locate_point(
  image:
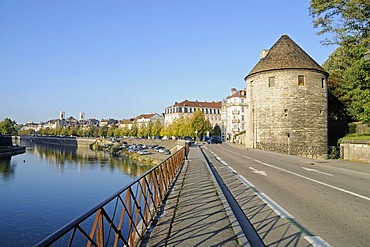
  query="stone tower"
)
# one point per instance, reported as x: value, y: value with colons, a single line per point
x: 287, y: 102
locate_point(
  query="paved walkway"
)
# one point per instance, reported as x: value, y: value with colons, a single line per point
x: 194, y: 214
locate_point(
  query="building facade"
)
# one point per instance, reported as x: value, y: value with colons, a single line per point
x: 233, y: 115
x: 145, y: 119
x: 287, y: 102
x: 211, y: 110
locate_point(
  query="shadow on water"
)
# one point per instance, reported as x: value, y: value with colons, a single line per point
x: 7, y: 169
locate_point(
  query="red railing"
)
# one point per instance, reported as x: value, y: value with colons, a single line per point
x: 123, y: 218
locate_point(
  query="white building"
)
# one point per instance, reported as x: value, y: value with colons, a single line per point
x: 212, y: 110
x: 234, y: 109
x: 144, y: 119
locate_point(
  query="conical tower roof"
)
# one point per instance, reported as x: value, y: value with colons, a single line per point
x: 286, y: 54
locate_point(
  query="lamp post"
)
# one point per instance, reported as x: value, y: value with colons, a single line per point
x: 196, y: 135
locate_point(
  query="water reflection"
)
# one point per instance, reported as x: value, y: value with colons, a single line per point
x: 66, y: 156
x: 7, y: 169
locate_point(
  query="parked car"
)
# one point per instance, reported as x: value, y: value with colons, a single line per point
x: 166, y: 151
x: 214, y: 139
x: 143, y: 152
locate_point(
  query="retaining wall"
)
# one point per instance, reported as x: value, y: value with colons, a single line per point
x: 355, y: 150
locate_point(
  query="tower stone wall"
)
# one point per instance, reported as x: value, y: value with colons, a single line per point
x: 287, y: 107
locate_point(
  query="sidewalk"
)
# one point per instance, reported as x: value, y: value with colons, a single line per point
x: 194, y: 214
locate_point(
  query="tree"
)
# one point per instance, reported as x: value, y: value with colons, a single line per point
x: 157, y: 127
x: 8, y: 127
x: 134, y: 129
x: 349, y: 80
x: 103, y: 131
x: 216, y: 130
x: 111, y: 131
x: 347, y: 21
x: 199, y: 124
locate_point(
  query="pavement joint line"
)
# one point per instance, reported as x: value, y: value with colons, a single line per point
x: 234, y: 222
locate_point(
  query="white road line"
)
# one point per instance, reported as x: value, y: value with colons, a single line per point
x: 316, y: 241
x: 307, y: 178
x: 314, y: 170
x: 263, y: 173
x: 274, y: 206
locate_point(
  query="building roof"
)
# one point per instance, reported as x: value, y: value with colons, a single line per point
x: 285, y: 54
x: 145, y: 116
x: 238, y: 94
x: 213, y: 104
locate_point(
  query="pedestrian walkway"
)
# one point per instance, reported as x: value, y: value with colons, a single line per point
x: 194, y: 213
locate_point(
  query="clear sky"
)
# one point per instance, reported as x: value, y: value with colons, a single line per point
x: 121, y: 58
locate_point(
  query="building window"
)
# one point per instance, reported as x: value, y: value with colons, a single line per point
x: 185, y: 110
x: 286, y: 112
x: 301, y: 80
x: 180, y: 109
x: 272, y: 81
x: 323, y: 82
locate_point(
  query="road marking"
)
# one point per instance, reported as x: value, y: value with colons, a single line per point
x: 314, y: 170
x: 263, y: 173
x: 316, y: 241
x: 274, y: 206
x: 304, y: 177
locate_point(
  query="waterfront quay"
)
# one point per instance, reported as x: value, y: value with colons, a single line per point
x: 226, y: 194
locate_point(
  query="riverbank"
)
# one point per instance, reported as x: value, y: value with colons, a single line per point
x: 11, y: 150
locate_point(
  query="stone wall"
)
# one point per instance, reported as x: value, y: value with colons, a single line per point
x: 355, y: 150
x: 287, y: 114
x: 6, y: 140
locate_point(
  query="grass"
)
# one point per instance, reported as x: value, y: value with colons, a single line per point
x: 363, y: 137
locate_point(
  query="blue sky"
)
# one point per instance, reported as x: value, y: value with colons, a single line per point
x: 119, y: 59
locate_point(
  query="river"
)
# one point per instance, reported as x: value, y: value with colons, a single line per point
x: 48, y: 186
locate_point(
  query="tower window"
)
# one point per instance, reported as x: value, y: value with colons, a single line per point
x: 272, y: 81
x: 301, y: 80
x: 322, y: 82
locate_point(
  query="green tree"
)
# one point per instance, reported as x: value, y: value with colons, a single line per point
x: 134, y: 129
x: 103, y: 131
x: 216, y: 131
x: 8, y: 127
x: 350, y: 79
x: 111, y: 131
x: 118, y: 132
x: 157, y: 128
x: 346, y: 21
x: 199, y: 124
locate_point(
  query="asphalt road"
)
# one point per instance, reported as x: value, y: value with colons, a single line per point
x: 326, y: 197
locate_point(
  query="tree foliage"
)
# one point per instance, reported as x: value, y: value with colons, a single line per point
x: 8, y: 127
x: 346, y: 20
x: 349, y: 23
x: 199, y: 124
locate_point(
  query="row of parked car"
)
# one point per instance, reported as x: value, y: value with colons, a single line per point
x: 145, y: 149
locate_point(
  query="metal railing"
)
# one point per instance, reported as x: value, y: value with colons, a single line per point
x: 123, y: 218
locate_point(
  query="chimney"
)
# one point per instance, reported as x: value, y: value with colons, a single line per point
x: 233, y: 90
x: 263, y: 53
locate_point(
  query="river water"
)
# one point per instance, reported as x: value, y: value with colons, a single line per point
x: 48, y: 186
